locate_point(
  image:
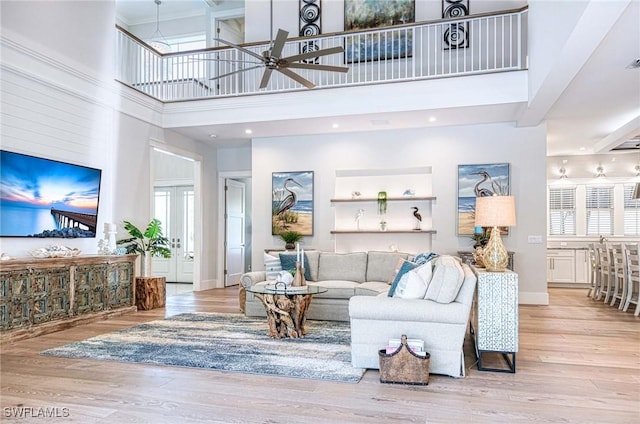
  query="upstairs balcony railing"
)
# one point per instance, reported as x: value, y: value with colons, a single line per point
x: 455, y: 47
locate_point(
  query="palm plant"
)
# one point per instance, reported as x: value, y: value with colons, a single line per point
x: 152, y: 241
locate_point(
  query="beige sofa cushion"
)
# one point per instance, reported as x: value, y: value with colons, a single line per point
x: 446, y: 280
x: 381, y: 266
x: 337, y: 289
x: 342, y: 266
x: 372, y: 288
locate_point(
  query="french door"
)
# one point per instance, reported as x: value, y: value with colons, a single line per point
x: 234, y: 231
x: 174, y: 207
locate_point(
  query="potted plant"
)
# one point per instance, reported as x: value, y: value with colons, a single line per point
x: 290, y: 239
x: 148, y: 244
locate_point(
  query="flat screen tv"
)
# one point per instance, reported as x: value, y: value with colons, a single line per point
x: 47, y: 198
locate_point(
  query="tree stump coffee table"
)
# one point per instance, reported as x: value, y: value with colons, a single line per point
x: 286, y: 308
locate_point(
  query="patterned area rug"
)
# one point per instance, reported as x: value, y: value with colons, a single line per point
x: 226, y: 342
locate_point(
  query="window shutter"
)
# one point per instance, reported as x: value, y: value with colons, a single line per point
x: 562, y: 211
x: 599, y: 210
x: 631, y: 212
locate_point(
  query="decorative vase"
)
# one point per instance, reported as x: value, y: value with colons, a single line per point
x: 298, y: 279
x: 289, y: 246
x: 145, y: 265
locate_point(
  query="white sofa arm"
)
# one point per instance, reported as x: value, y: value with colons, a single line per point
x: 382, y: 308
x: 251, y: 278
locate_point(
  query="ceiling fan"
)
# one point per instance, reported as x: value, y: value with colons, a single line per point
x: 271, y: 60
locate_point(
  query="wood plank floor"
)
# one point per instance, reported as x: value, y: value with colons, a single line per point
x: 579, y: 362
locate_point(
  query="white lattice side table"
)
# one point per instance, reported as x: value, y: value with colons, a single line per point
x: 495, y: 317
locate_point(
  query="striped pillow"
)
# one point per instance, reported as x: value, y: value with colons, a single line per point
x: 272, y: 266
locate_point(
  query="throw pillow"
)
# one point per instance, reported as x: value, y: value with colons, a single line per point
x: 401, y: 268
x: 446, y: 281
x: 423, y: 258
x: 411, y: 286
x: 288, y: 261
x: 272, y: 266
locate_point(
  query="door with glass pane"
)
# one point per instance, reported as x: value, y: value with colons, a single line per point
x: 174, y: 207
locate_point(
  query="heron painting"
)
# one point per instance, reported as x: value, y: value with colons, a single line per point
x: 292, y: 202
x: 478, y: 181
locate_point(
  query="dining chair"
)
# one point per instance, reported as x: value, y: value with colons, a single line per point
x: 604, y: 288
x: 594, y: 271
x: 632, y: 266
x: 618, y: 275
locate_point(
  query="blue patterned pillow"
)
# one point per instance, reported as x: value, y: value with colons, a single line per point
x: 288, y: 261
x: 423, y: 258
x: 402, y: 268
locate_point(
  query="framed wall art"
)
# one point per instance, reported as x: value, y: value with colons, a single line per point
x: 292, y: 202
x: 310, y: 24
x: 477, y: 181
x: 366, y: 14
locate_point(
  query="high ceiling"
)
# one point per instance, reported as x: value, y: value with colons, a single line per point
x: 590, y: 111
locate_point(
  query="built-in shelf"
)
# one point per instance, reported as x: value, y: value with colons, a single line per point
x: 383, y: 232
x: 391, y: 199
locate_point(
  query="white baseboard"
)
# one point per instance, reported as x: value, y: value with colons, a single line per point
x: 533, y: 298
x: 206, y: 285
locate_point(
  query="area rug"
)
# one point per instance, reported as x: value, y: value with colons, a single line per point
x: 228, y: 342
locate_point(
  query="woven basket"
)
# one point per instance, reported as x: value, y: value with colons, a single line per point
x: 403, y: 366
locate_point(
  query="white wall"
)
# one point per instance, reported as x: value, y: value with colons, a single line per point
x: 443, y: 149
x: 60, y: 101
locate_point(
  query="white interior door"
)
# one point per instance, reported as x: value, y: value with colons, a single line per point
x: 174, y: 207
x: 234, y: 231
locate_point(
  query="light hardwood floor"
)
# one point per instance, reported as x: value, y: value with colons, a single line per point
x: 579, y: 362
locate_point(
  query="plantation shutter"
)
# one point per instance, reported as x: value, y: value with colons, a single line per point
x: 599, y: 210
x: 631, y: 212
x: 562, y: 211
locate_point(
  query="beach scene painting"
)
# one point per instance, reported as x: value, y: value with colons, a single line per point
x: 478, y: 181
x: 292, y: 202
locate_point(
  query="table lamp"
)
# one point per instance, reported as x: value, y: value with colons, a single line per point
x: 495, y: 211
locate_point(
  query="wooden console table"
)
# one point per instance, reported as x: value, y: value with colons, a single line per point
x: 39, y: 296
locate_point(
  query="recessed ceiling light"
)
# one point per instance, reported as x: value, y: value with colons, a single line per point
x: 432, y: 119
x: 335, y: 126
x: 213, y: 135
x: 582, y: 149
x: 248, y: 131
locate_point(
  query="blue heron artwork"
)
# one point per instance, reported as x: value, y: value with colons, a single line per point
x: 292, y: 202
x: 478, y: 181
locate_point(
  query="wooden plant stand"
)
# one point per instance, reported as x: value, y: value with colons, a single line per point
x: 150, y: 293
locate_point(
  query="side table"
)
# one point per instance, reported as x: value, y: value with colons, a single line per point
x: 151, y: 293
x: 494, y: 323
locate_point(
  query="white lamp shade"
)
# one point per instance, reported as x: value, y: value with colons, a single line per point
x: 495, y: 211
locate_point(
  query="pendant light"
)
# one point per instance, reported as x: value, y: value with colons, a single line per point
x: 158, y: 42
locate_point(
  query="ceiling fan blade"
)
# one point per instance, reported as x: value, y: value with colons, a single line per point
x: 242, y: 49
x: 296, y: 77
x: 316, y: 53
x: 236, y: 72
x: 278, y: 44
x: 265, y: 77
x: 317, y: 67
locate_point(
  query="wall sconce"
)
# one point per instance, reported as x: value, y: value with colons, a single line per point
x: 600, y: 172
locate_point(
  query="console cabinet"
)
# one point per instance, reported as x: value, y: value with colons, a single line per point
x: 494, y: 320
x: 37, y: 293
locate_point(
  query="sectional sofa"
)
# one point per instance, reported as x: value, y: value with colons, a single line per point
x: 359, y: 285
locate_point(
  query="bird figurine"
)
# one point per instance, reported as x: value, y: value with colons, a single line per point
x: 287, y: 202
x: 418, y: 217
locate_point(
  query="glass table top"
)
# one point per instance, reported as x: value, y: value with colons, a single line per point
x: 273, y: 288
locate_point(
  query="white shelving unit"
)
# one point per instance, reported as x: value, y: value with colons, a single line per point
x: 400, y: 233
